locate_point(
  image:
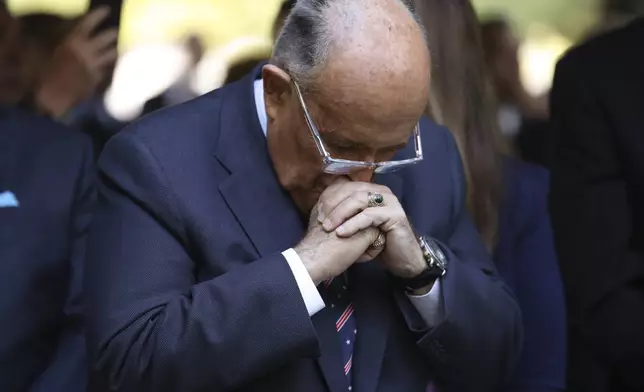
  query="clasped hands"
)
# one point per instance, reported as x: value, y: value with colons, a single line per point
x: 343, y: 227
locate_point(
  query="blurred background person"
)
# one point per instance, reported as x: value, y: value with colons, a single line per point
x: 597, y: 206
x: 51, y: 65
x: 615, y: 14
x: 501, y: 50
x: 42, y: 34
x: 507, y: 198
x: 69, y: 59
x: 522, y: 117
x: 46, y: 194
x: 182, y: 89
x: 13, y: 75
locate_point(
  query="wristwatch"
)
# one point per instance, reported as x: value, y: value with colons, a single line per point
x: 436, y: 266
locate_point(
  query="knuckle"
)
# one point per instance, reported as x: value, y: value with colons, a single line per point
x: 369, y: 213
x: 398, y: 212
x: 357, y: 199
x: 382, y: 189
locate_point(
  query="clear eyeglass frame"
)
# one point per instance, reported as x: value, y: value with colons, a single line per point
x: 344, y: 166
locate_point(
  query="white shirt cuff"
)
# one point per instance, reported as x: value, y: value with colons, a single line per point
x: 310, y: 294
x: 430, y: 306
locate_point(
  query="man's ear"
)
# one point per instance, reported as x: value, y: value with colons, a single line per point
x: 277, y: 89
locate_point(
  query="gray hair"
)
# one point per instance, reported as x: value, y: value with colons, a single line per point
x: 311, y: 29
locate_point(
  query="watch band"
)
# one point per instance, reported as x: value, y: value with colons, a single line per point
x: 436, y: 266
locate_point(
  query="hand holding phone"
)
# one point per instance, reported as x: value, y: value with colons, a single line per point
x: 79, y: 65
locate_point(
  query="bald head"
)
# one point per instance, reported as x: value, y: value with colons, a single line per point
x: 368, y: 56
x: 381, y: 32
x: 378, y: 67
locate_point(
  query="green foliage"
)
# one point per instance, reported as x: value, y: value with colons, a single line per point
x: 570, y: 18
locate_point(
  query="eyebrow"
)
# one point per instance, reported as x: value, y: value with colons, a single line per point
x: 340, y: 141
x: 329, y: 136
x: 331, y: 139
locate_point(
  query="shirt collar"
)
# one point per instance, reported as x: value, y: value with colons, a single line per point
x: 260, y: 105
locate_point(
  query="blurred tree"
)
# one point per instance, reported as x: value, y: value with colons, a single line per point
x: 216, y: 21
x: 570, y: 18
x: 66, y: 8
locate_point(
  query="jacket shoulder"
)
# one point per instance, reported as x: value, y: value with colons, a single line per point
x: 42, y: 137
x: 178, y: 128
x: 598, y: 54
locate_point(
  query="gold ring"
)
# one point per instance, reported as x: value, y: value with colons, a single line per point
x: 379, y: 243
x: 376, y: 200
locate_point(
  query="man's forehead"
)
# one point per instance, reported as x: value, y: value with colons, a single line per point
x: 352, y: 128
x: 379, y: 97
x: 385, y: 82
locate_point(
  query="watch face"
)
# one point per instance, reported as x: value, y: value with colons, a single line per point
x: 437, y: 254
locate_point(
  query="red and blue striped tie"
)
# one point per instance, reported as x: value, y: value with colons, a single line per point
x: 337, y: 297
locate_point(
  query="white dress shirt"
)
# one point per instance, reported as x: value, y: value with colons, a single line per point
x: 429, y: 306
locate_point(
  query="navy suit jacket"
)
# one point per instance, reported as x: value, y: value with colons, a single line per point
x: 188, y: 290
x: 526, y: 259
x: 50, y: 171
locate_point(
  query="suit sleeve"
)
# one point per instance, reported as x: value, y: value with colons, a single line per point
x: 476, y: 344
x: 68, y: 370
x: 539, y: 291
x: 592, y: 215
x: 151, y: 325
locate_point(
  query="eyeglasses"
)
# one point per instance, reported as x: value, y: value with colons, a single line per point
x: 345, y: 166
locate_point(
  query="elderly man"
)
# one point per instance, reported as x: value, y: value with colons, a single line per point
x: 232, y: 246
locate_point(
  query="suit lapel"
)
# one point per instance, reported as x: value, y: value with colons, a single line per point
x: 265, y: 211
x: 252, y: 191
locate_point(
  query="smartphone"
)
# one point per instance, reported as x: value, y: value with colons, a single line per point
x: 114, y: 19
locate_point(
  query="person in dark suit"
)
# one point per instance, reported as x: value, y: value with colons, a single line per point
x: 523, y: 118
x: 46, y: 195
x: 235, y: 255
x: 526, y: 259
x: 597, y: 207
x: 507, y: 198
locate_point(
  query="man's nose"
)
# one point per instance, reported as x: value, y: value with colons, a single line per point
x: 363, y: 175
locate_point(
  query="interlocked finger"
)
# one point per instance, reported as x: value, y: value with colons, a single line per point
x: 349, y: 207
x: 370, y: 217
x: 337, y: 193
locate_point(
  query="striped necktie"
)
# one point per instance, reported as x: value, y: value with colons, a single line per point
x: 337, y: 298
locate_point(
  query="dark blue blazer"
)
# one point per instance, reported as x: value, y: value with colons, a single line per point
x: 526, y: 259
x: 49, y: 169
x: 187, y: 289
